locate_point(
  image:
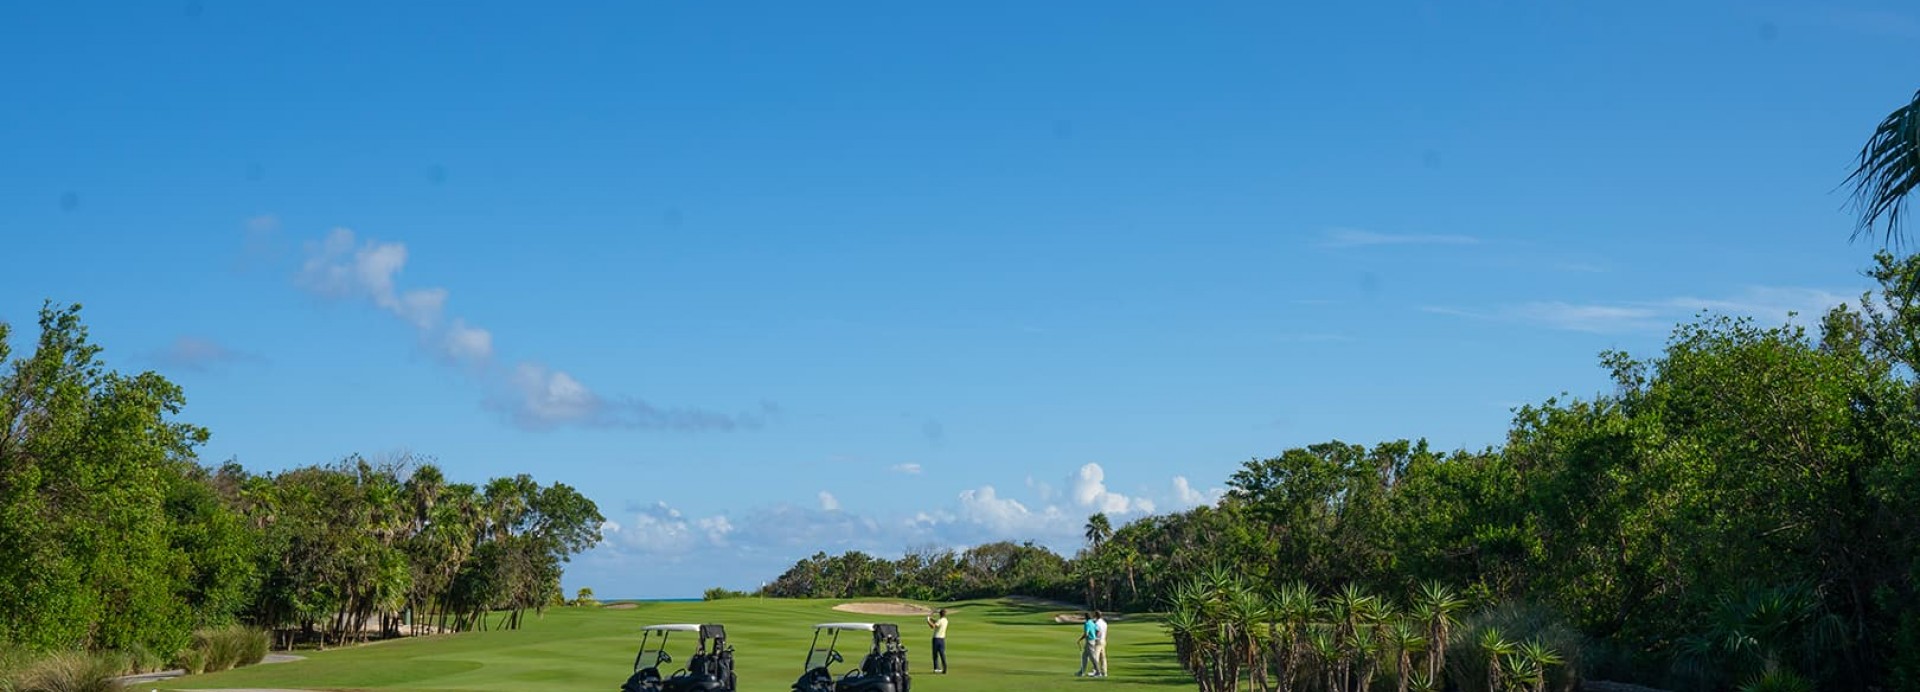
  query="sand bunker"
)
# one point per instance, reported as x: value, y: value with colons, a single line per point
x: 621, y: 606
x: 883, y: 609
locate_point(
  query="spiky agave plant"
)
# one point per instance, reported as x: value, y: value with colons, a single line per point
x: 1365, y: 647
x: 1405, y: 638
x: 1438, y: 605
x: 1293, y: 612
x: 1327, y: 652
x: 1539, y: 658
x: 1494, y: 647
x: 1247, y: 611
x: 1777, y: 679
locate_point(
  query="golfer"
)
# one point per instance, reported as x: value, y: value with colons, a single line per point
x: 939, y: 628
x: 1100, y: 645
x: 1089, y: 638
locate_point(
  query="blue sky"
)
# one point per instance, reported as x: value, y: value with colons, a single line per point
x: 770, y: 278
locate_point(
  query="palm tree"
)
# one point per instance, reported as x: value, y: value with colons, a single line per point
x: 1889, y: 169
x: 1099, y: 529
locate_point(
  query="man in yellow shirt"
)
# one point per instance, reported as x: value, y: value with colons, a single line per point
x: 939, y: 628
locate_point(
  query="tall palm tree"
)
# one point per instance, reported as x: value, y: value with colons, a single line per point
x: 1099, y: 529
x: 1889, y: 169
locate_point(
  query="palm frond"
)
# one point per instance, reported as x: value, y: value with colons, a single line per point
x: 1888, y: 170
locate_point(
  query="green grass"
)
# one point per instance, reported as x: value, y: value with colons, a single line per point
x: 994, y: 646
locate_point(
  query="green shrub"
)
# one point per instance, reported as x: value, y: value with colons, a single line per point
x: 253, y: 644
x: 720, y: 594
x: 1517, y: 623
x: 222, y: 647
x: 192, y: 659
x: 69, y: 672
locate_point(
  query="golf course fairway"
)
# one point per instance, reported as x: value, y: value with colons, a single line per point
x: 994, y: 646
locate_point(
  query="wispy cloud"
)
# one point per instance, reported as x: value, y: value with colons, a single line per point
x: 1353, y: 237
x: 910, y: 469
x: 198, y: 354
x: 1765, y: 303
x: 531, y: 394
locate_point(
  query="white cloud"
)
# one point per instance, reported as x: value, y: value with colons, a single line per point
x: 791, y: 530
x: 661, y: 530
x: 1764, y: 303
x: 342, y: 266
x: 1185, y: 496
x: 469, y: 344
x: 1088, y: 489
x: 1353, y: 237
x: 909, y: 469
x: 544, y: 397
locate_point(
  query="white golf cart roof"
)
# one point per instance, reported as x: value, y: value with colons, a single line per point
x: 670, y: 628
x: 862, y: 626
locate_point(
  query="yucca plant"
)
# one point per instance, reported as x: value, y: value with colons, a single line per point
x: 1436, y: 605
x: 1292, y: 610
x: 1327, y: 653
x: 1494, y: 647
x: 1777, y: 679
x: 1404, y: 638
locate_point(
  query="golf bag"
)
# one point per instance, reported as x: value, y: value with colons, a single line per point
x: 710, y: 669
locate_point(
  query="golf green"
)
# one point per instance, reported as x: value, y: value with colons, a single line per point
x: 993, y: 645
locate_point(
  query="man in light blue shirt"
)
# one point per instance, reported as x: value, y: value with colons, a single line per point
x: 1089, y: 638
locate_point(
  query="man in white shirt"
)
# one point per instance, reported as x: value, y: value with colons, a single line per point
x: 1100, y: 645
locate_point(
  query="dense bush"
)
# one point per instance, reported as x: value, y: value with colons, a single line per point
x: 721, y: 594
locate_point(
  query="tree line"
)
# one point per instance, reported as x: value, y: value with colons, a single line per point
x: 928, y: 573
x: 1741, y: 507
x: 113, y: 536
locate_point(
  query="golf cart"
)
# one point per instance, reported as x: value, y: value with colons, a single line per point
x: 883, y: 670
x: 709, y: 669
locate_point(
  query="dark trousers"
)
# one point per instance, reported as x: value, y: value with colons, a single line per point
x: 939, y: 653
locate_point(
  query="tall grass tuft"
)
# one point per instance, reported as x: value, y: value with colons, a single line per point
x: 68, y: 672
x: 253, y: 644
x: 192, y: 659
x: 222, y: 647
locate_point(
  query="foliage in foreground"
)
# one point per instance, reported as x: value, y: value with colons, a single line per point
x: 114, y: 538
x: 1737, y: 512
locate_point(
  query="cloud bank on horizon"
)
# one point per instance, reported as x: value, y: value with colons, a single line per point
x: 530, y: 394
x: 780, y: 534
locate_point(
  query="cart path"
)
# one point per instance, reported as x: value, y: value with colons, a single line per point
x: 134, y: 681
